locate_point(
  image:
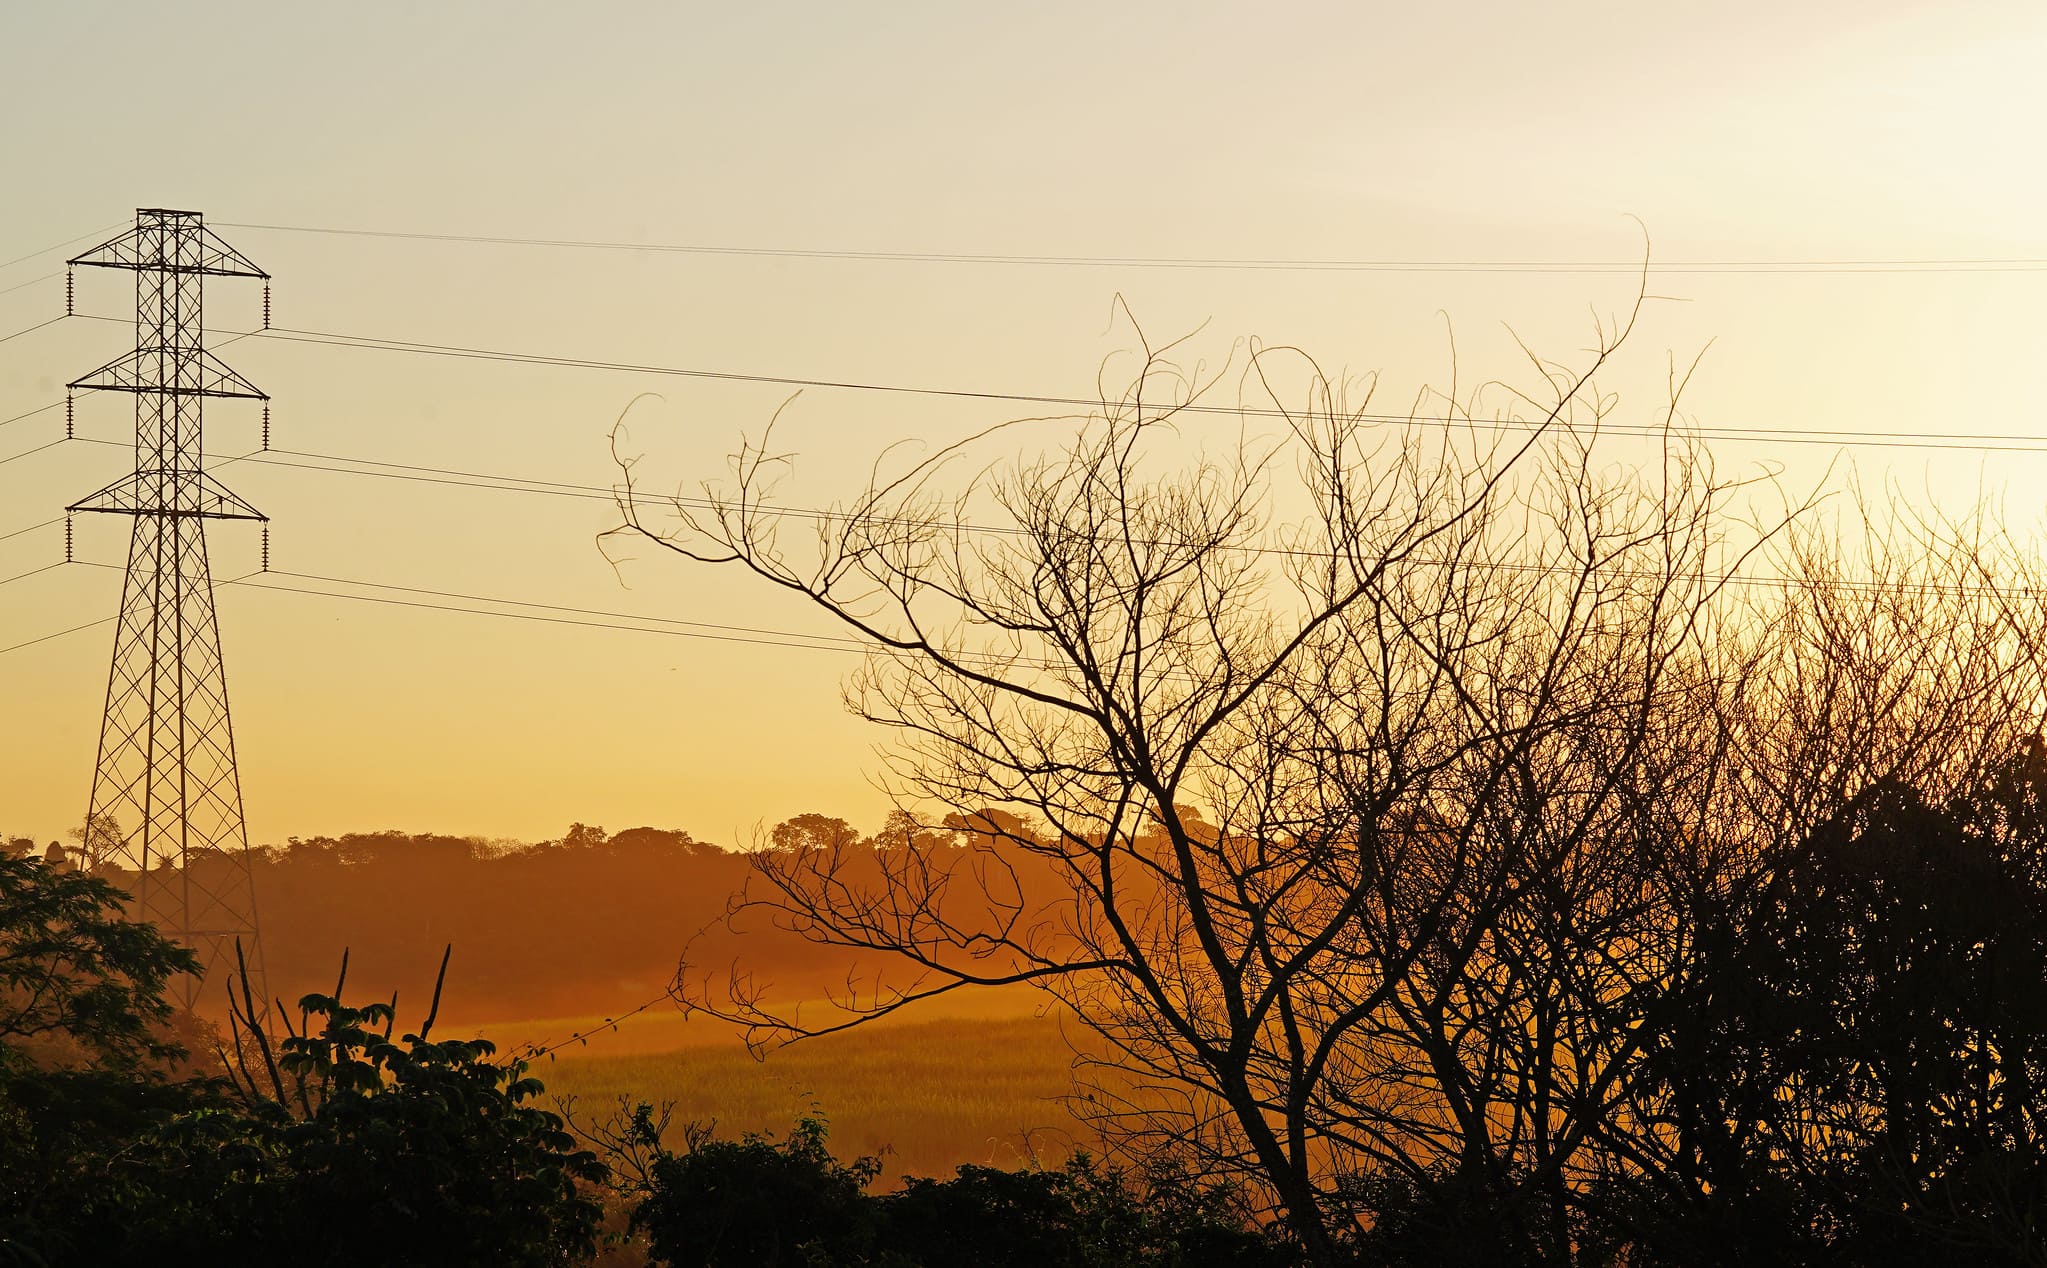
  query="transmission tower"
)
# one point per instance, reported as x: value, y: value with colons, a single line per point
x: 166, y: 804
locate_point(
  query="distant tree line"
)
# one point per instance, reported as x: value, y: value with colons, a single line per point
x: 587, y: 922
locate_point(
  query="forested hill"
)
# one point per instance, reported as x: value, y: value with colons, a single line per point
x: 585, y: 924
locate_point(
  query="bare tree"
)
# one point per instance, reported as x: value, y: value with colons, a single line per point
x: 1367, y: 789
x: 1411, y: 676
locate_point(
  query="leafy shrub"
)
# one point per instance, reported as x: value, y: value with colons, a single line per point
x: 723, y: 1204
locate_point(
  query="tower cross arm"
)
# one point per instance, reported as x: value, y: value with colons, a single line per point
x: 193, y: 372
x: 195, y: 493
x: 142, y: 248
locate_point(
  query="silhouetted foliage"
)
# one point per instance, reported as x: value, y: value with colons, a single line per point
x: 1452, y: 1218
x: 1079, y: 1215
x: 79, y: 982
x: 756, y: 1201
x: 420, y: 1151
x: 813, y: 832
x: 85, y: 1177
x: 1860, y: 1074
x: 426, y: 1146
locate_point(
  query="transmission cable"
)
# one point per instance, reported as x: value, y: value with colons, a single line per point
x: 476, y: 480
x: 849, y: 642
x: 599, y: 619
x: 16, y: 457
x: 105, y: 620
x: 40, y: 409
x: 1846, y: 437
x: 23, y: 576
x: 2018, y: 264
x: 29, y: 330
x: 448, y: 478
x: 83, y: 237
x: 31, y: 528
x: 18, y: 286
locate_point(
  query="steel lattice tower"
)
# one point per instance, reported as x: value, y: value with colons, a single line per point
x: 166, y: 800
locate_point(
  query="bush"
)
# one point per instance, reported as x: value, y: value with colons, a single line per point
x: 328, y: 1145
x: 723, y: 1204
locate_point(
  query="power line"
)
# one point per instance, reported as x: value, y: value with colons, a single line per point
x: 590, y: 618
x: 40, y: 409
x: 703, y: 630
x: 30, y: 452
x: 1942, y: 264
x: 89, y: 625
x: 447, y: 477
x: 479, y: 480
x: 459, y: 352
x: 506, y: 484
x: 23, y: 576
x: 30, y: 282
x: 412, y: 472
x: 533, y: 1052
x: 836, y: 642
x: 528, y: 616
x: 587, y: 618
x: 1856, y: 437
x: 441, y: 476
x: 713, y: 632
x: 31, y: 528
x: 799, y: 512
x: 631, y: 622
x: 455, y: 479
x: 1980, y: 442
x: 29, y: 330
x: 105, y: 620
x: 83, y: 237
x: 1825, y: 436
x: 468, y: 480
x: 44, y: 409
x: 95, y: 440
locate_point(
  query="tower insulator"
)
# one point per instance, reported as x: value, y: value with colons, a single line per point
x: 69, y: 289
x: 70, y: 415
x: 67, y: 539
x: 266, y: 434
x: 266, y: 309
x: 266, y: 546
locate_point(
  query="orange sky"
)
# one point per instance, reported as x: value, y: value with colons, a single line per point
x: 1480, y: 132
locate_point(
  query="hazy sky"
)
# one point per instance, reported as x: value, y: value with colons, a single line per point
x: 1413, y: 132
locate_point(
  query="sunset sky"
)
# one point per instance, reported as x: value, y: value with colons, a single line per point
x: 1735, y: 132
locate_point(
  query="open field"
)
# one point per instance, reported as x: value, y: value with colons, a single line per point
x: 664, y: 1027
x: 926, y: 1096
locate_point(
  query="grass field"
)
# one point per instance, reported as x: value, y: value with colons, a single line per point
x: 925, y: 1096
